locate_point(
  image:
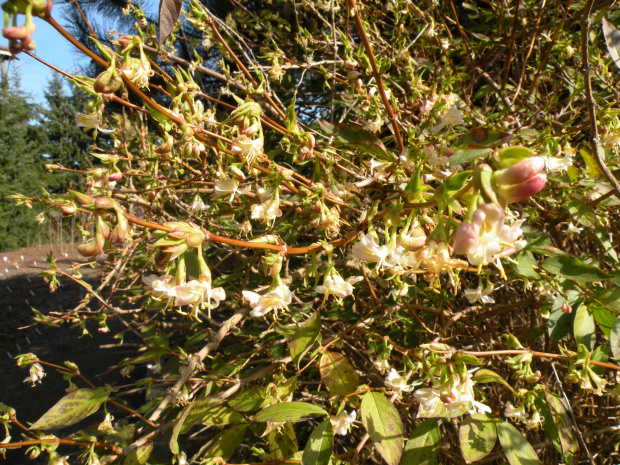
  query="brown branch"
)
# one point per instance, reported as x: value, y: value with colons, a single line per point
x: 597, y: 149
x: 376, y: 75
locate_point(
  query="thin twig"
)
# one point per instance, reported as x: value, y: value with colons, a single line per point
x: 597, y: 149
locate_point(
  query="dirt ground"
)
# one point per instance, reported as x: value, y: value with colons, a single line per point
x: 20, y: 290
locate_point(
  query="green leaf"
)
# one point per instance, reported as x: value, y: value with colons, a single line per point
x: 139, y: 455
x: 304, y: 337
x: 608, y: 297
x: 422, y: 448
x: 614, y: 338
x: 178, y: 424
x: 338, y: 374
x: 282, y: 442
x: 289, y: 411
x: 72, y: 408
x: 250, y: 400
x: 612, y: 39
x: 477, y: 436
x: 524, y: 266
x: 357, y: 137
x: 485, y: 376
x: 319, y: 448
x: 604, y: 318
x: 584, y: 327
x: 517, y: 449
x: 480, y: 138
x: 463, y: 156
x: 383, y: 425
x: 562, y: 422
x: 570, y: 267
x: 224, y: 444
x: 211, y: 412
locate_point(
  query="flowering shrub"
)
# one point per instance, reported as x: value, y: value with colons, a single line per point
x: 372, y: 153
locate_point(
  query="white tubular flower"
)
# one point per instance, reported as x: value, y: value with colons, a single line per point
x: 247, y: 149
x: 269, y: 209
x: 429, y: 400
x: 572, y: 229
x: 36, y: 374
x: 480, y: 295
x: 333, y: 284
x: 276, y: 299
x: 382, y: 364
x: 342, y: 422
x: 160, y: 286
x: 558, y: 164
x: 453, y: 116
x: 92, y: 121
x: 397, y: 383
x: 198, y: 205
x: 487, y: 238
x: 369, y: 251
x: 225, y: 187
x: 463, y: 391
x: 197, y: 292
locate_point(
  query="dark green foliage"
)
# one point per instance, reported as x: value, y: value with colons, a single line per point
x: 30, y: 137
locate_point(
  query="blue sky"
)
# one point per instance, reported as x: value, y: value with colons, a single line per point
x: 53, y: 49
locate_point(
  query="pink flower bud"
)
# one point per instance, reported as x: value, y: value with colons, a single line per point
x: 115, y: 176
x: 518, y: 192
x: 519, y: 172
x: 15, y: 32
x: 566, y: 308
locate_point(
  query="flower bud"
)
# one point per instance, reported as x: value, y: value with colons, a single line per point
x: 83, y: 199
x: 88, y: 250
x: 566, y: 308
x: 518, y: 192
x: 519, y: 172
x: 69, y: 209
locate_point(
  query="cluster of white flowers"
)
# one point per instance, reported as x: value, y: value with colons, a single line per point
x: 194, y: 292
x: 452, y: 395
x: 519, y: 414
x: 385, y: 256
x: 269, y: 208
x: 276, y: 299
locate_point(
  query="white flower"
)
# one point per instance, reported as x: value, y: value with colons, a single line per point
x: 92, y: 121
x: 276, y: 299
x: 198, y: 205
x: 452, y: 395
x: 397, y: 383
x: 480, y: 295
x: 36, y: 374
x: 382, y: 364
x: 160, y: 286
x: 247, y: 149
x: 520, y: 415
x: 342, y: 422
x: 369, y: 251
x: 228, y: 186
x: 487, y: 238
x: 453, y: 116
x: 558, y: 164
x: 269, y: 209
x: 572, y: 229
x: 197, y: 292
x: 333, y: 284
